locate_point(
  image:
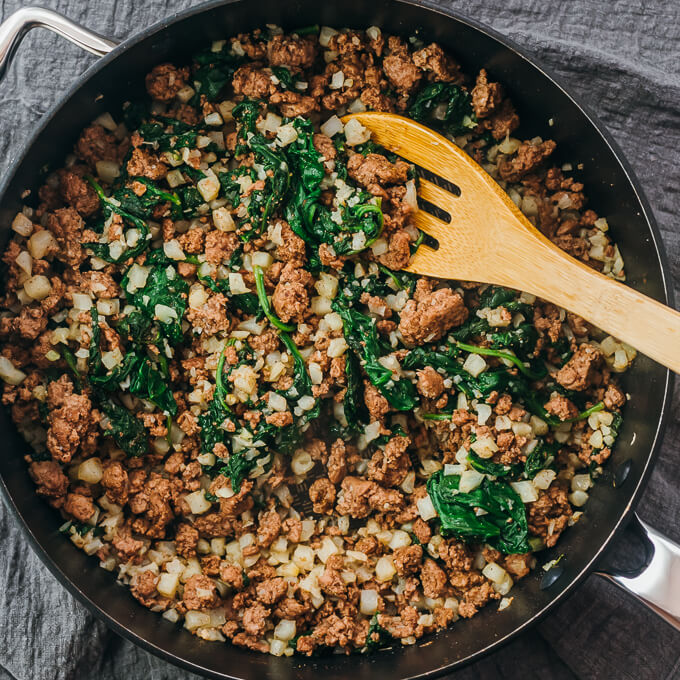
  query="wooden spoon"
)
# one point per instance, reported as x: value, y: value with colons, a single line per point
x: 489, y: 240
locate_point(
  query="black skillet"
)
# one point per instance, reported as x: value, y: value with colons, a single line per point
x: 613, y: 191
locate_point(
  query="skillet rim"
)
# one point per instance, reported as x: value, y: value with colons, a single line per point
x: 666, y: 286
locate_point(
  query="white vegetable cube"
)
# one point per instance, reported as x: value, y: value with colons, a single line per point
x: 494, y: 572
x: 167, y: 584
x: 400, y: 539
x: 332, y: 126
x: 209, y: 186
x: 236, y: 284
x: 327, y: 549
x: 474, y: 365
x: 90, y: 471
x: 223, y: 220
x: 285, y: 630
x: 368, y: 602
x: 303, y: 557
x: 337, y: 347
x: 10, y: 374
x: 385, y: 569
x: 327, y: 285
x: 484, y: 447
x: 470, y: 480
x: 356, y: 133
x: 525, y: 490
x: 286, y: 134
x: 194, y: 620
x: 173, y: 250
x: 426, y: 508
x: 137, y: 276
x: 544, y: 478
x: 197, y: 502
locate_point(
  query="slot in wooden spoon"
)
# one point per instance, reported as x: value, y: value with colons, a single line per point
x: 489, y: 240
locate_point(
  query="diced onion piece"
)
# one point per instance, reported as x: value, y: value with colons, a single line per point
x: 357, y: 106
x: 494, y: 572
x: 90, y: 471
x: 194, y: 620
x: 285, y: 630
x: 277, y: 402
x: 213, y: 119
x: 356, y: 133
x: 286, y: 134
x: 544, y: 478
x: 368, y: 602
x: 581, y: 482
x: 186, y: 93
x: 81, y: 301
x: 321, y: 305
x: 38, y: 287
x: 10, y: 374
x: 337, y: 80
x: 426, y: 508
x: 173, y: 250
x: 198, y: 296
x: 325, y: 34
x: 303, y: 557
x: 469, y: 480
x: 400, y: 539
x: 332, y: 126
x: 525, y: 490
x: 261, y: 259
x: 223, y: 220
x: 301, y: 463
x: 106, y: 121
x: 22, y: 225
x: 538, y: 425
x: 337, y: 347
x: 165, y: 314
x: 137, y: 276
x: 483, y: 413
x: 327, y: 285
x: 484, y: 447
x: 167, y: 584
x: 25, y: 262
x: 209, y: 187
x: 40, y: 243
x: 384, y: 569
x: 315, y: 373
x: 474, y: 365
x: 175, y: 178
x: 197, y: 502
x: 107, y: 171
x: 578, y: 498
x: 411, y: 197
x: 237, y: 285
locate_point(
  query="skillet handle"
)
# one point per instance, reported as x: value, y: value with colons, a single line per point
x: 656, y: 582
x: 15, y: 27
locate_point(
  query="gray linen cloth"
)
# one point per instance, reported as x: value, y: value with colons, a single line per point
x: 623, y: 58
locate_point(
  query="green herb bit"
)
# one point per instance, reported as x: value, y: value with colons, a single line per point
x: 486, y: 351
x: 264, y: 301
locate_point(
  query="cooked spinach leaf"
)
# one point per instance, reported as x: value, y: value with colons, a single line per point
x: 127, y: 431
x: 444, y: 106
x: 503, y: 527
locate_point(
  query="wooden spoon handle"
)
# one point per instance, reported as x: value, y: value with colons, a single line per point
x: 545, y: 270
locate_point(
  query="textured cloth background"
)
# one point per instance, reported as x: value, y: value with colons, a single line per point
x: 623, y: 58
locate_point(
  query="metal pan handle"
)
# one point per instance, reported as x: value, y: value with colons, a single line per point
x: 655, y: 582
x: 15, y: 27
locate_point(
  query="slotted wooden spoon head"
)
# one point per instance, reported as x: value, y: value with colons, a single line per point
x: 489, y: 240
x: 484, y: 220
